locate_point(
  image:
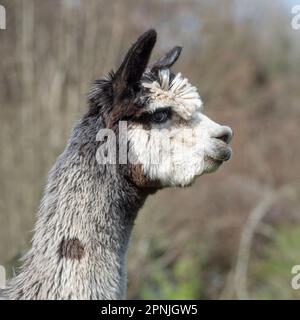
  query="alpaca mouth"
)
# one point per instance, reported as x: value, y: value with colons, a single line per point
x: 212, y: 164
x: 224, y: 154
x: 221, y: 154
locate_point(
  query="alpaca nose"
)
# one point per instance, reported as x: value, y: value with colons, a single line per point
x: 225, y: 134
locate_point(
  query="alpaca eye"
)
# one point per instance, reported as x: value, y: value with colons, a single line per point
x: 161, y: 116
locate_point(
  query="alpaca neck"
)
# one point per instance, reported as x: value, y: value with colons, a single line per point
x: 83, y: 229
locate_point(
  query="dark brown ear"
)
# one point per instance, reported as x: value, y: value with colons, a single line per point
x: 168, y: 59
x: 136, y: 60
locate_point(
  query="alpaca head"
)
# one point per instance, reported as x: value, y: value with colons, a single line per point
x: 170, y: 140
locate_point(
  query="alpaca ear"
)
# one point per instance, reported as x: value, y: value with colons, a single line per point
x: 168, y: 59
x: 136, y: 60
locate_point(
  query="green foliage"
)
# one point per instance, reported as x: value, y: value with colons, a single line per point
x: 180, y: 281
x: 271, y: 275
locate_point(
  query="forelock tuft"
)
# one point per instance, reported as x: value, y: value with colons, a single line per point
x: 166, y: 89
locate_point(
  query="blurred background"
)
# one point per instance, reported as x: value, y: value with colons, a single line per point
x: 236, y: 233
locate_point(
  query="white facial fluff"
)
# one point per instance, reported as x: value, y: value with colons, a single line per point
x: 182, y: 148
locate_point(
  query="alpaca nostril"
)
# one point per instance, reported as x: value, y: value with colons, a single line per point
x: 225, y: 135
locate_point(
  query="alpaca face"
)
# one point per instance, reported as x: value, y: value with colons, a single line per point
x: 172, y: 140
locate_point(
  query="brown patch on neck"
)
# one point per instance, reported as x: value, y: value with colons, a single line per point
x: 72, y: 249
x: 140, y: 179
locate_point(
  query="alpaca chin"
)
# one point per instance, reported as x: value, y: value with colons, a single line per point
x: 212, y: 165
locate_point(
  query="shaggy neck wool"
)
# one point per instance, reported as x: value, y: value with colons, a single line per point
x: 83, y: 229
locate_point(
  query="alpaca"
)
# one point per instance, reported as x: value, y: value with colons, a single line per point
x: 88, y: 209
